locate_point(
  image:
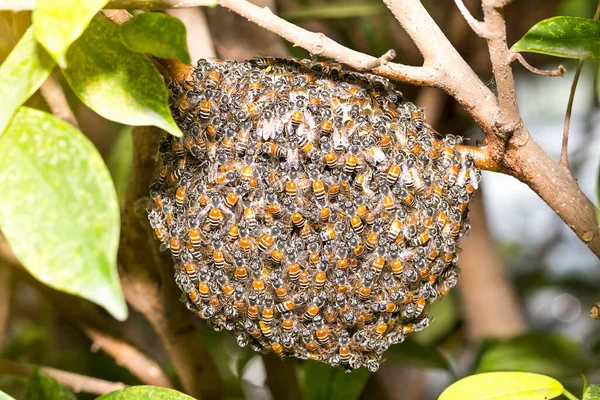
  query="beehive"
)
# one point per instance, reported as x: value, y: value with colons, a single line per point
x: 310, y: 210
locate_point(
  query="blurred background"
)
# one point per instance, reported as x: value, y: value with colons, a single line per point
x: 527, y: 281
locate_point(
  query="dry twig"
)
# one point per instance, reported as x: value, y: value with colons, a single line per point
x: 78, y: 383
x: 560, y: 71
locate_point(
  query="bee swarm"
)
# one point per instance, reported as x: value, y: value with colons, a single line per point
x: 310, y: 210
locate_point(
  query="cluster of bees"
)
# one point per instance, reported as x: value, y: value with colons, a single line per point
x: 309, y: 209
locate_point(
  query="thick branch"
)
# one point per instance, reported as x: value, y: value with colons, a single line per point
x: 148, y: 284
x: 78, y: 383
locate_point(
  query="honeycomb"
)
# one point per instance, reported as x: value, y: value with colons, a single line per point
x: 310, y: 210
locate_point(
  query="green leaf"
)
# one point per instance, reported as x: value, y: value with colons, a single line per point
x: 4, y: 396
x: 418, y: 355
x: 323, y: 382
x: 158, y: 34
x: 592, y: 393
x: 23, y: 72
x: 569, y: 37
x: 334, y: 11
x: 58, y: 23
x: 58, y: 208
x: 145, y: 393
x: 503, y: 386
x: 548, y: 354
x: 43, y: 387
x: 115, y: 82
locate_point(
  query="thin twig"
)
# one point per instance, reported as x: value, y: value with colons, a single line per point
x: 564, y: 151
x: 5, y: 294
x: 560, y: 71
x: 126, y: 355
x: 78, y: 383
x: 55, y: 97
x: 478, y: 27
x: 383, y: 60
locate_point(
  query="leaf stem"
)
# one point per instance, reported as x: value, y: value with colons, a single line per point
x: 564, y: 154
x: 569, y: 395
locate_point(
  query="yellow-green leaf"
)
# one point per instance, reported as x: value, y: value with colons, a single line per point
x: 58, y: 208
x: 23, y: 72
x: 157, y: 34
x: 145, y: 393
x: 117, y: 83
x: 504, y: 386
x: 569, y: 37
x: 4, y: 396
x: 544, y: 353
x: 58, y: 23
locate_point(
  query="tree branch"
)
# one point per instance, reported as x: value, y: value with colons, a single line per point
x: 138, y: 363
x: 320, y: 45
x: 560, y: 71
x: 78, y: 383
x: 478, y: 27
x: 55, y: 97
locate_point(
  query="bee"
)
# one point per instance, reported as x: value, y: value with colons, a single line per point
x: 331, y: 159
x: 298, y: 220
x: 245, y: 245
x: 294, y: 272
x: 205, y: 109
x: 175, y: 246
x: 371, y: 242
x: 215, y: 217
x: 447, y: 157
x: 267, y: 311
x: 328, y: 234
x: 213, y: 79
x: 393, y: 174
x: 320, y: 278
x: 252, y: 309
x: 234, y: 233
x: 191, y: 271
x: 394, y: 230
x: 319, y: 190
x: 324, y: 215
x: 377, y: 265
x: 241, y: 273
x: 219, y: 258
x: 350, y: 164
x: 250, y: 218
x: 195, y: 237
x: 291, y: 188
x: 357, y: 225
x: 231, y: 200
x: 364, y: 292
x: 389, y: 204
x: 451, y: 175
x: 326, y: 127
